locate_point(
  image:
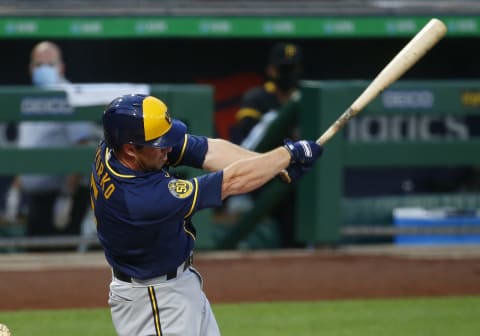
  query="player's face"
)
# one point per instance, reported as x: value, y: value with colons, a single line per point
x: 152, y: 158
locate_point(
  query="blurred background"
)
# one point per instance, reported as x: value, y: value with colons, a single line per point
x: 404, y: 172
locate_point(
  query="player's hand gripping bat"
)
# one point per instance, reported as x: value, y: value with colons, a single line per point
x: 418, y: 46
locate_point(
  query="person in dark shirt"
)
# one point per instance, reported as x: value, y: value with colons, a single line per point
x: 259, y: 108
x: 260, y: 105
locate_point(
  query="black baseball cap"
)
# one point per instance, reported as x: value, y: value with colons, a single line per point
x: 285, y: 54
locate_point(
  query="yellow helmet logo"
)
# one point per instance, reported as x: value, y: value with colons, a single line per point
x: 156, y: 120
x: 290, y: 50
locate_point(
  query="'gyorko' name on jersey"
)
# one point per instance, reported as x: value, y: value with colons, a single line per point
x: 104, y: 179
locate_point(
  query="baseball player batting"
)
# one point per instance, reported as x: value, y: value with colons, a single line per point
x: 144, y: 215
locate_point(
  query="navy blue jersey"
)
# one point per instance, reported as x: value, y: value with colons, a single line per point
x: 144, y: 218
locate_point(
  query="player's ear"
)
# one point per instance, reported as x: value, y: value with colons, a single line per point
x: 129, y: 150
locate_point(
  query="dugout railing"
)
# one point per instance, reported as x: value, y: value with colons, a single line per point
x: 192, y: 104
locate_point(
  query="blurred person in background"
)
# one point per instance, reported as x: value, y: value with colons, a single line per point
x: 8, y: 138
x: 8, y: 133
x: 55, y: 204
x: 260, y: 106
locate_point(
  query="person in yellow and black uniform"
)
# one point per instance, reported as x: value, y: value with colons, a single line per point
x: 260, y: 105
x: 259, y: 108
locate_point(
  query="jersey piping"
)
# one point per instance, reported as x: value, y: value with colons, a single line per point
x: 194, y: 202
x: 180, y: 157
x: 107, y: 158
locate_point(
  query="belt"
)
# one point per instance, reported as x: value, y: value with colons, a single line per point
x: 168, y: 276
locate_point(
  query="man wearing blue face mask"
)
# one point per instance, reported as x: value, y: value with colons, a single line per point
x: 56, y: 204
x: 46, y: 66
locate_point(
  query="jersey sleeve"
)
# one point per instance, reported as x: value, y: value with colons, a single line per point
x: 209, y: 190
x: 162, y: 200
x: 190, y: 152
x: 206, y: 192
x: 183, y: 198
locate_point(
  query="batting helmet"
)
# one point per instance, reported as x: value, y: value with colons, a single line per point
x: 140, y: 120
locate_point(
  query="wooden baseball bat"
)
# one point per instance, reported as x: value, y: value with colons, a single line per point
x: 418, y: 46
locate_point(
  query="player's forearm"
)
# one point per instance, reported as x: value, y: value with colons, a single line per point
x: 222, y: 153
x: 249, y: 174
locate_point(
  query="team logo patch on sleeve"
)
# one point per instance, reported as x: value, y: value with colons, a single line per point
x: 180, y: 188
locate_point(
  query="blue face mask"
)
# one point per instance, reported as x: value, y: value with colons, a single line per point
x: 45, y: 75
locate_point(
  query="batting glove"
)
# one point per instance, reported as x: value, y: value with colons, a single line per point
x: 304, y: 152
x: 293, y: 173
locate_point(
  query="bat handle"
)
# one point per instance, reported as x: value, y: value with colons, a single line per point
x: 337, y: 125
x: 327, y: 135
x: 284, y: 176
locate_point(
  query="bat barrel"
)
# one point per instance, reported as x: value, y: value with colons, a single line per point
x: 418, y: 46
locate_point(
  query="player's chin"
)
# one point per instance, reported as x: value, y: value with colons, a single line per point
x: 162, y: 163
x: 153, y: 165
